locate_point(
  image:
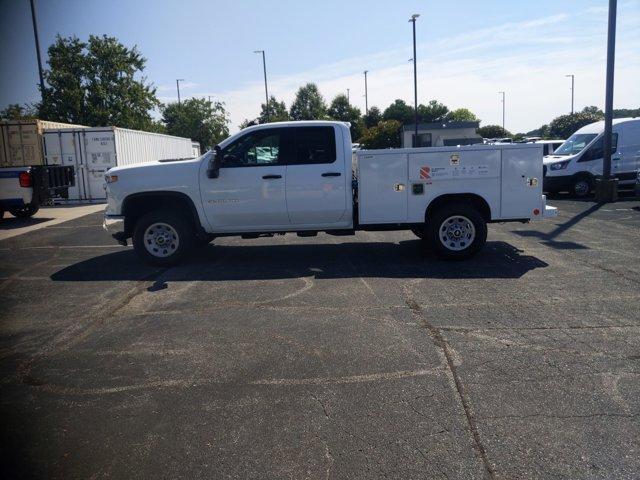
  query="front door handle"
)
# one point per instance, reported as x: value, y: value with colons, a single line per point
x: 271, y: 177
x: 331, y: 174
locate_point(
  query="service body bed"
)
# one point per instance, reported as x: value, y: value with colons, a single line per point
x: 396, y: 186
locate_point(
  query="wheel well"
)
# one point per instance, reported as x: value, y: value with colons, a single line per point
x: 476, y: 200
x: 139, y: 204
x: 588, y: 175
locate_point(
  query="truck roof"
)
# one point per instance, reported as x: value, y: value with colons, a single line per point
x: 598, y: 127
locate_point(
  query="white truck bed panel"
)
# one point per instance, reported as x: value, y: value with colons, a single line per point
x: 396, y: 186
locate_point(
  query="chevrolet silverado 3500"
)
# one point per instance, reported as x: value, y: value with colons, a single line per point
x: 300, y: 177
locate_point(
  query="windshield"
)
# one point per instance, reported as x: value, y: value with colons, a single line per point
x: 575, y: 144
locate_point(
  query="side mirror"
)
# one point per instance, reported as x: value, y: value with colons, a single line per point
x: 213, y: 169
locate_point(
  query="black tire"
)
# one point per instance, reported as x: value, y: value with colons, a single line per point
x: 420, y: 232
x: 582, y: 186
x: 27, y: 211
x: 457, y: 231
x: 170, y: 227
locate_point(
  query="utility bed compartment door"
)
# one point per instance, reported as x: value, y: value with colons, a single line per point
x: 521, y: 181
x: 382, y: 188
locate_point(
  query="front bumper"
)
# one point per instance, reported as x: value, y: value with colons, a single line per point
x: 114, y: 224
x: 561, y: 183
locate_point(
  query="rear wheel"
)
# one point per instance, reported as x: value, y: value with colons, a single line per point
x: 28, y: 210
x: 163, y: 238
x: 457, y: 231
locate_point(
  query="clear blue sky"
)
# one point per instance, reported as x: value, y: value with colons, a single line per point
x: 468, y: 50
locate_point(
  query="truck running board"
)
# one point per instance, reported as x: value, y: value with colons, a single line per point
x: 341, y: 233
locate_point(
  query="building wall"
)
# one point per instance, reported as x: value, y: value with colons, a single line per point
x: 439, y: 136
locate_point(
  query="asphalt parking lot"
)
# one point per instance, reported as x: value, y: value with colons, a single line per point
x: 326, y: 357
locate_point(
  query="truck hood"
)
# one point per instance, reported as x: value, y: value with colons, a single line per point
x: 148, y: 166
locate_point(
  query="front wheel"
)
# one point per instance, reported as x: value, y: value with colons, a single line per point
x: 581, y: 186
x: 162, y: 238
x: 27, y: 211
x: 457, y: 231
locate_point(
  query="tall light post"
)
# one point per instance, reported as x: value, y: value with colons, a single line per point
x: 415, y: 79
x: 366, y: 96
x: 502, y: 93
x: 348, y: 96
x: 606, y: 189
x: 266, y: 92
x: 572, y: 90
x: 34, y: 20
x: 178, y: 80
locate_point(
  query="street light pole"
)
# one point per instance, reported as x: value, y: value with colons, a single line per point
x: 572, y: 85
x: 266, y: 92
x: 415, y: 79
x: 178, y: 80
x: 606, y: 189
x: 366, y: 97
x: 34, y: 20
x: 348, y: 97
x: 503, y: 112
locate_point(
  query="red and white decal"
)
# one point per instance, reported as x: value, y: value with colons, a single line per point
x: 425, y: 173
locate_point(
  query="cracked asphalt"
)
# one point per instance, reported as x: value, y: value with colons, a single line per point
x: 326, y: 357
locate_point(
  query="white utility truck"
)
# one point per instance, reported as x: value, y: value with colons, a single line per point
x: 575, y: 165
x: 300, y: 177
x: 24, y: 189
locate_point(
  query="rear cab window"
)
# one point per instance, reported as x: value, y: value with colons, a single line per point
x: 313, y: 145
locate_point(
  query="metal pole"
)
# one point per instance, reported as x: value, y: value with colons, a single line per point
x: 415, y: 80
x: 503, y: 111
x: 178, y: 80
x: 366, y: 98
x: 348, y: 97
x: 608, y: 106
x: 34, y: 19
x: 572, y: 90
x: 266, y: 92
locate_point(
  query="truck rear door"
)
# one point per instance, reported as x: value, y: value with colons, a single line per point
x: 521, y: 180
x: 317, y: 176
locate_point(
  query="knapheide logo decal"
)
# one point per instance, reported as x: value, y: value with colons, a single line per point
x: 425, y: 173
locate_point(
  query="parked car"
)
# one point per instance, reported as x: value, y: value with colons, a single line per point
x: 548, y: 146
x: 574, y: 166
x: 306, y: 184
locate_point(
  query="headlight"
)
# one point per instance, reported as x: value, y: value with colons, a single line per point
x: 111, y: 178
x: 559, y: 165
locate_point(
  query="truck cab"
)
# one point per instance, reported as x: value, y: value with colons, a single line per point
x: 303, y: 178
x: 575, y: 165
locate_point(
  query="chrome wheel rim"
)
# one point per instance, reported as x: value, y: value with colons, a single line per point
x: 457, y: 233
x: 161, y: 240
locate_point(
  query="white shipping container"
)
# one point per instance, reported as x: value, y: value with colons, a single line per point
x: 21, y: 141
x: 93, y: 151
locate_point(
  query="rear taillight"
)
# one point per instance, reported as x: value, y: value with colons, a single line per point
x: 25, y: 179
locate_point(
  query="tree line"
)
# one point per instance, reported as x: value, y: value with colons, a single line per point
x: 101, y: 82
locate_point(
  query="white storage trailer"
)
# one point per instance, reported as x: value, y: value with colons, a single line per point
x: 93, y: 151
x: 21, y: 141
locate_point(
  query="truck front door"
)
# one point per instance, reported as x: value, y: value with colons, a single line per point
x: 317, y: 176
x: 249, y: 193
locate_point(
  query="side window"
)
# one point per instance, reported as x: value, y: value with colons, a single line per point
x: 261, y: 148
x: 314, y: 145
x: 596, y: 151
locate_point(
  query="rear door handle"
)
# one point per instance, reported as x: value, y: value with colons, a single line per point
x: 331, y: 174
x: 271, y: 177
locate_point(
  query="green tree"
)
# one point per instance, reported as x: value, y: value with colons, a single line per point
x: 461, y: 115
x: 277, y: 111
x: 593, y: 110
x: 385, y: 134
x: 399, y: 111
x: 248, y: 123
x: 566, y: 125
x: 493, y: 131
x: 97, y: 83
x: 198, y: 119
x: 626, y: 112
x: 434, y: 111
x: 372, y: 118
x: 308, y: 104
x: 341, y: 109
x: 15, y: 111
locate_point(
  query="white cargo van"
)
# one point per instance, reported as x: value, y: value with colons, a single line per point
x: 574, y: 166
